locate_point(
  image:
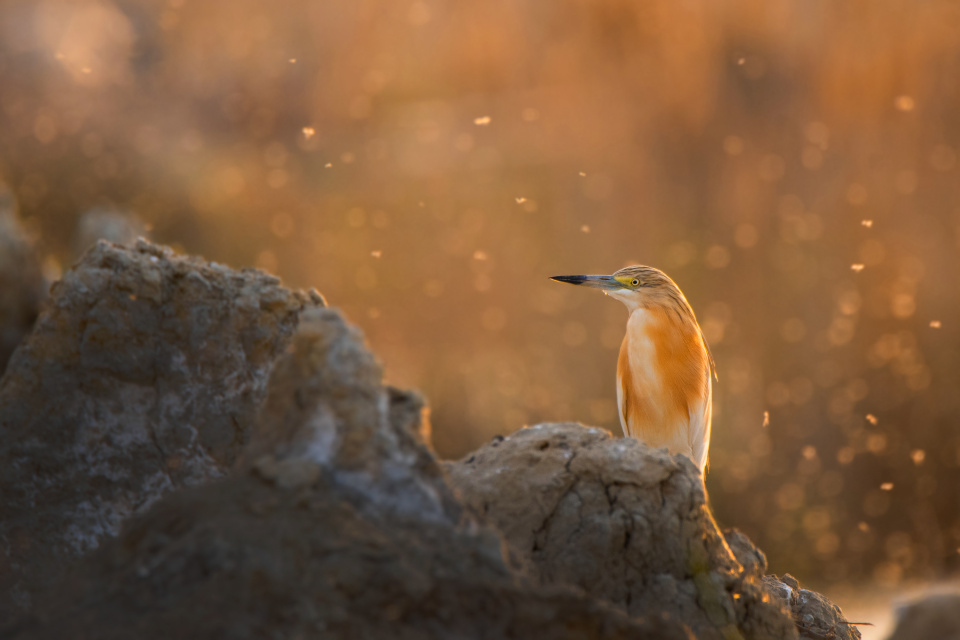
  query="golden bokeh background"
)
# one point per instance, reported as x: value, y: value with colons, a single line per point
x: 427, y: 164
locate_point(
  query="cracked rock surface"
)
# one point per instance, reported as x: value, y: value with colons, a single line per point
x: 22, y: 286
x: 816, y: 617
x: 142, y: 375
x: 624, y: 522
x: 338, y: 523
x: 750, y: 557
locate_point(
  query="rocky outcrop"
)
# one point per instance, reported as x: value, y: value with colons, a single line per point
x: 313, y: 506
x: 143, y: 375
x: 750, y: 557
x: 22, y: 286
x: 338, y: 524
x: 626, y: 523
x: 328, y: 411
x: 815, y: 616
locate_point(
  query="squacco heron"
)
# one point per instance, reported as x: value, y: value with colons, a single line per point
x: 664, y: 391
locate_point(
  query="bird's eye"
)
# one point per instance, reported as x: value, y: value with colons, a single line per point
x: 635, y: 282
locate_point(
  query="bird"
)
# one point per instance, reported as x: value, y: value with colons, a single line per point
x: 664, y: 386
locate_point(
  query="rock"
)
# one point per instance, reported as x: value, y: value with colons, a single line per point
x: 933, y: 617
x: 626, y: 523
x: 750, y: 557
x: 337, y: 524
x: 106, y: 224
x: 143, y: 375
x: 409, y: 412
x: 22, y: 286
x: 365, y: 435
x: 815, y: 616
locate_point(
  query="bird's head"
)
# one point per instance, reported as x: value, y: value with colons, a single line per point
x: 636, y: 286
x: 642, y: 287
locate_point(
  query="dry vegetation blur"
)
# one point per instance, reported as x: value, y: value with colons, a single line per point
x: 426, y: 164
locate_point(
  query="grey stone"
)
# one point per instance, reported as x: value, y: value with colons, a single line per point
x: 337, y: 415
x: 750, y: 557
x: 626, y: 523
x: 314, y: 507
x: 337, y: 524
x: 816, y: 617
x: 143, y: 375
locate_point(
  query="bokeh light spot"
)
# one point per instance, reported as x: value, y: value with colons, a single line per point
x: 904, y: 103
x: 733, y: 145
x: 856, y: 194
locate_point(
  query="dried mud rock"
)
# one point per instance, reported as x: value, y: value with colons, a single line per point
x: 339, y: 524
x: 934, y: 617
x: 142, y: 375
x: 816, y: 617
x: 328, y: 409
x: 22, y: 287
x: 106, y: 224
x: 624, y: 522
x: 409, y: 412
x: 750, y: 557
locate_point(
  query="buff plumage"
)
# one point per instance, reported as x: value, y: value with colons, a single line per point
x: 664, y: 386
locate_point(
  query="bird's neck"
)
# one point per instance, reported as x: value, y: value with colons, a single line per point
x: 664, y: 339
x: 662, y: 371
x: 653, y: 314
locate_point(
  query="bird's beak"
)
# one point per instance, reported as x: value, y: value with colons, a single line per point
x: 607, y: 283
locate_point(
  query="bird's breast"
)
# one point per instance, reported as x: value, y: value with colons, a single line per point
x: 662, y: 371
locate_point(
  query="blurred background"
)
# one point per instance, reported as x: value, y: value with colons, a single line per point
x: 427, y: 164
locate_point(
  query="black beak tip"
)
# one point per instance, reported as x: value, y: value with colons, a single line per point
x: 568, y: 279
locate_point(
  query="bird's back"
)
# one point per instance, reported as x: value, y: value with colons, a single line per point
x: 663, y: 382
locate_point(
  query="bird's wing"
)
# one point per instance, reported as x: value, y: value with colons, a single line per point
x: 701, y: 414
x: 620, y: 408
